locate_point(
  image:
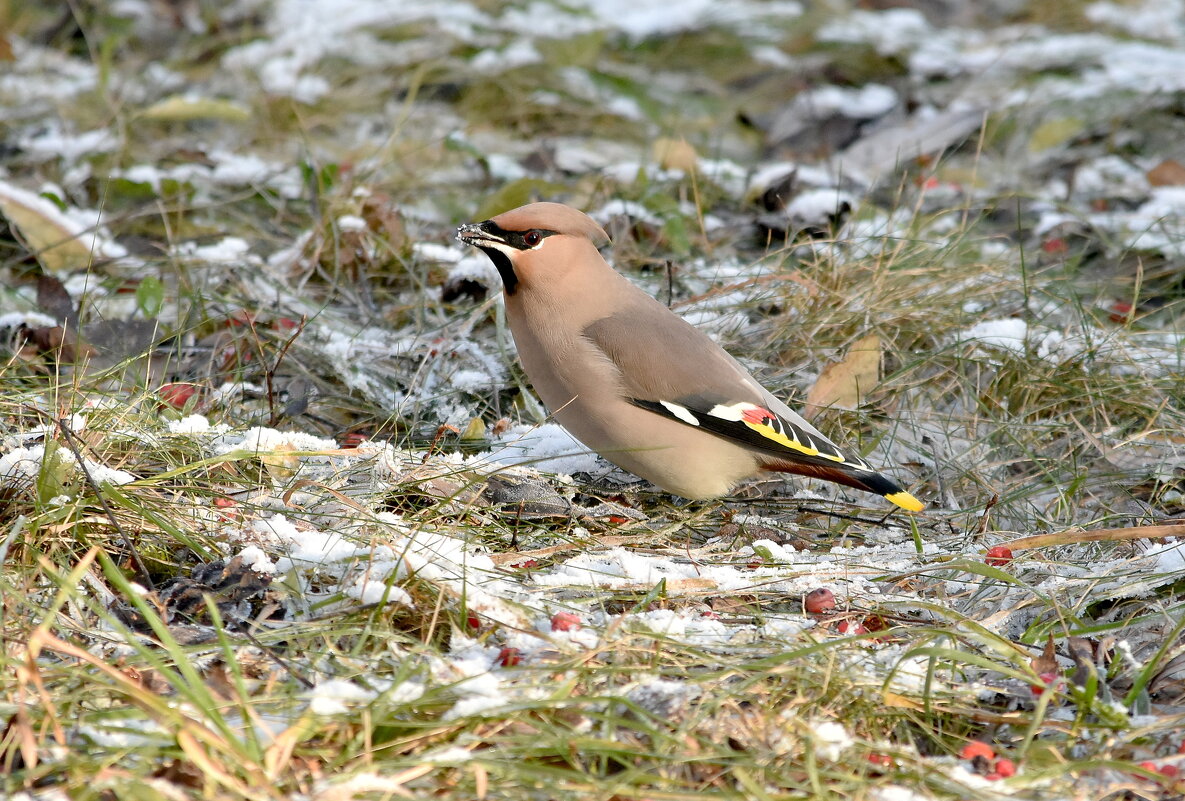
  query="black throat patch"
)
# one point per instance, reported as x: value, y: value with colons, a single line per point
x: 505, y: 268
x: 519, y: 240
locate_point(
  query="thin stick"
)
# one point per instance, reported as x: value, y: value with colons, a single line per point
x: 1103, y: 534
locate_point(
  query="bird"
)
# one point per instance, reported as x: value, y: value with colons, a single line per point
x: 635, y: 382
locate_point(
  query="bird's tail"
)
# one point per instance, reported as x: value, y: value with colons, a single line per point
x: 867, y: 480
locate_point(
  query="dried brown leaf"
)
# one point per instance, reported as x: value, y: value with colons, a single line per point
x: 46, y: 232
x: 281, y: 462
x: 54, y: 300
x: 1167, y: 173
x: 1082, y: 653
x: 844, y: 384
x: 1047, y: 662
x: 674, y: 154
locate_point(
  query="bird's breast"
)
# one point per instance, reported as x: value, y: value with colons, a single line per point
x: 583, y: 389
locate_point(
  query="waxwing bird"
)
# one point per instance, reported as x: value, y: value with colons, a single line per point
x: 637, y: 383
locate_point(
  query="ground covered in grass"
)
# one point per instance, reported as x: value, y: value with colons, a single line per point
x: 281, y: 518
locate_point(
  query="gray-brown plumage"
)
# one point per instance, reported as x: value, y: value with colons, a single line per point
x: 635, y: 382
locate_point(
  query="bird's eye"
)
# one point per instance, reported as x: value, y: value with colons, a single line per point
x: 532, y: 238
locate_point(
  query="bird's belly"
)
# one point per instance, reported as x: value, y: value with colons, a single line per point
x: 583, y: 391
x: 676, y: 457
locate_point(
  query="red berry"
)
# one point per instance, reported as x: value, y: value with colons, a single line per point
x: 852, y: 627
x: 998, y: 556
x: 1005, y: 767
x: 975, y: 749
x: 1170, y: 771
x: 1055, y: 245
x: 617, y: 520
x: 1150, y: 767
x: 509, y: 657
x: 176, y: 395
x: 565, y: 621
x: 240, y: 319
x: 819, y: 601
x: 876, y: 623
x: 227, y: 507
x: 1050, y: 680
x: 881, y: 760
x: 1119, y: 311
x: 353, y: 440
x: 473, y: 622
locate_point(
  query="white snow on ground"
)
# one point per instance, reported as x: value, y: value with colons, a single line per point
x: 516, y: 54
x: 895, y: 792
x: 1010, y: 334
x: 39, y: 76
x: 52, y: 143
x: 195, y: 424
x: 260, y: 439
x: 1170, y: 555
x: 434, y: 251
x: 20, y: 467
x: 864, y: 103
x: 817, y: 206
x: 832, y: 739
x: 477, y: 268
x: 1150, y: 19
x: 1139, y: 353
x: 32, y: 319
x: 370, y: 591
x: 303, y: 546
x: 231, y: 249
x: 302, y: 33
x: 221, y: 168
x: 625, y: 208
x: 548, y: 447
x: 337, y: 696
x: 642, y: 18
x: 351, y: 222
x: 374, y: 557
x: 255, y: 559
x: 80, y: 224
x: 891, y: 31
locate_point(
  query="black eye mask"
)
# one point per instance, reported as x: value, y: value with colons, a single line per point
x: 483, y: 236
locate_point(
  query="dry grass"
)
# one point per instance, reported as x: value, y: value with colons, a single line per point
x: 407, y: 646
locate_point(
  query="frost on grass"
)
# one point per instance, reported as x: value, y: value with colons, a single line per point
x: 550, y: 448
x: 1022, y: 276
x: 21, y: 467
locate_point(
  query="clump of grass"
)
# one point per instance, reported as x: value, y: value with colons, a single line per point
x: 425, y: 661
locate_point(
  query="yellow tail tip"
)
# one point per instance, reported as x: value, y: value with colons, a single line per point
x: 906, y: 501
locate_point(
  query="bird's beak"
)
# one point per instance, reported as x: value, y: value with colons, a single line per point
x: 478, y: 233
x: 486, y: 237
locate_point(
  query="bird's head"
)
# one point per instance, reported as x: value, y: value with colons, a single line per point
x: 539, y: 242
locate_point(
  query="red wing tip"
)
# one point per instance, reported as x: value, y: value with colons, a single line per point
x: 756, y: 415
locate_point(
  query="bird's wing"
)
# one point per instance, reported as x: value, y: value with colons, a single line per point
x: 673, y: 369
x: 667, y: 366
x: 787, y: 447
